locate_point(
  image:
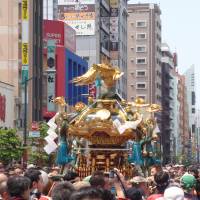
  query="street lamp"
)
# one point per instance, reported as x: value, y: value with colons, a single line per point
x: 25, y: 83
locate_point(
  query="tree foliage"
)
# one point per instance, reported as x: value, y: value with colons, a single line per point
x: 10, y: 146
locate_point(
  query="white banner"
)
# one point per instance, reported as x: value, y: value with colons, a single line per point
x: 83, y: 27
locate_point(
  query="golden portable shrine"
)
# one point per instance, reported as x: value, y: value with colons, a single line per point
x: 99, y: 135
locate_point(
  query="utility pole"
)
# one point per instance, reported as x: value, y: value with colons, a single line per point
x: 37, y: 60
x: 25, y: 109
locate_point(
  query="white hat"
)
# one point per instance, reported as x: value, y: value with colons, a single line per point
x: 44, y: 177
x: 173, y: 193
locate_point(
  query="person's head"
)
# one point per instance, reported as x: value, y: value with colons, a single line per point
x: 155, y: 169
x: 3, y: 177
x: 18, y: 171
x: 188, y: 182
x: 162, y: 181
x: 71, y: 176
x: 81, y: 184
x: 4, y: 190
x: 36, y: 179
x: 134, y: 194
x: 173, y: 193
x: 62, y: 191
x: 19, y: 186
x: 194, y: 171
x: 87, y: 194
x: 97, y: 181
x: 139, y: 182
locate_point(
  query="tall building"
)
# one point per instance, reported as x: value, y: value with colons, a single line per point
x: 198, y: 135
x: 9, y: 50
x: 175, y: 105
x: 168, y: 98
x: 183, y: 118
x: 144, y: 52
x: 101, y: 32
x: 50, y: 10
x: 190, y: 84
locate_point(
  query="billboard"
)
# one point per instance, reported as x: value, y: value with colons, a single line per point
x: 53, y: 30
x: 80, y: 15
x: 75, y: 2
x: 83, y: 27
x: 76, y: 8
x: 114, y: 32
x: 63, y: 34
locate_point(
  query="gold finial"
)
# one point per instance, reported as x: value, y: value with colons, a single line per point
x: 59, y: 101
x: 139, y: 102
x: 106, y: 72
x: 154, y: 108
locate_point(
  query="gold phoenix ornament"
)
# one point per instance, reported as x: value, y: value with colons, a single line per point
x: 106, y: 72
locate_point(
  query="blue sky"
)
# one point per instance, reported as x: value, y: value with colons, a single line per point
x: 181, y: 30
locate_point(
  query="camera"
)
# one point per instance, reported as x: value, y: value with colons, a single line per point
x: 112, y: 174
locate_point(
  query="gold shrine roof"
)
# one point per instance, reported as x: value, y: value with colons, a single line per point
x: 97, y: 123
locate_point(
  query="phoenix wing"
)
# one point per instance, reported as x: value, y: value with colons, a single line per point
x: 88, y: 78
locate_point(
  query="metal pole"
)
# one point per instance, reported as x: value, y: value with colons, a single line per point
x: 25, y: 110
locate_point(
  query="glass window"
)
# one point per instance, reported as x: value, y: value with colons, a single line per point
x: 141, y: 60
x: 141, y: 36
x: 141, y: 49
x: 141, y: 24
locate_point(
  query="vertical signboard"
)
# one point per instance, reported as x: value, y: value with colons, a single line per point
x: 114, y: 31
x: 24, y: 47
x: 80, y: 15
x: 51, y: 76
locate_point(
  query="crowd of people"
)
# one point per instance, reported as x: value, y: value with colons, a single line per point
x: 172, y: 182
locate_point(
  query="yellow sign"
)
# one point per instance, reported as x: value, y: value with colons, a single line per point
x: 79, y: 16
x: 24, y: 53
x: 24, y: 9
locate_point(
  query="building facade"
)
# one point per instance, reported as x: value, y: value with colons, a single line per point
x: 144, y: 52
x: 183, y: 118
x: 7, y: 116
x: 101, y: 32
x: 191, y: 100
x: 10, y: 52
x: 50, y: 9
x: 168, y: 98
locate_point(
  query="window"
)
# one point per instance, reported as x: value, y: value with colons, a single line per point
x: 193, y: 110
x: 141, y: 24
x: 141, y: 49
x: 141, y: 85
x: 193, y: 128
x: 141, y: 36
x: 193, y: 98
x: 141, y: 60
x: 141, y: 73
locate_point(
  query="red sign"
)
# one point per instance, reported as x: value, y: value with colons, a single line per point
x: 53, y: 30
x: 35, y: 126
x: 2, y: 108
x: 61, y: 32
